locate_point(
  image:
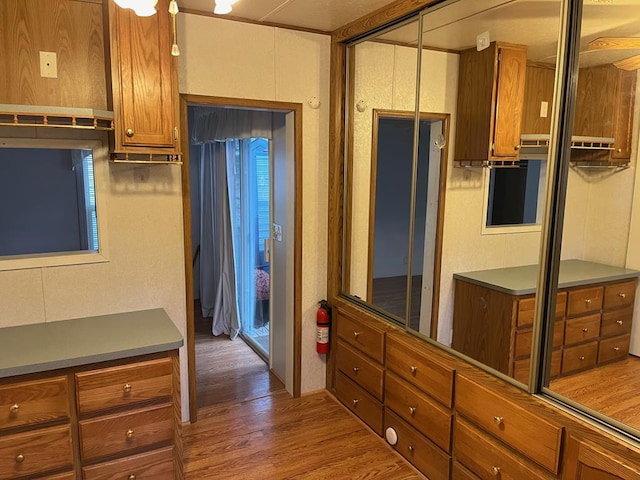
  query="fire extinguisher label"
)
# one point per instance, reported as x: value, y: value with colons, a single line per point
x: 322, y: 335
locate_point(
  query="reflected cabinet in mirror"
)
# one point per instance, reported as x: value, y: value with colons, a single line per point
x: 455, y: 171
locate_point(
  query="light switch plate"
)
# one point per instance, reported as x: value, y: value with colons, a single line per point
x: 48, y: 65
x: 277, y: 232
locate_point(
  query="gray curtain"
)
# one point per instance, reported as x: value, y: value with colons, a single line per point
x: 215, y: 131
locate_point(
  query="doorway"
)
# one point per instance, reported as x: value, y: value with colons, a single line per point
x: 261, y: 188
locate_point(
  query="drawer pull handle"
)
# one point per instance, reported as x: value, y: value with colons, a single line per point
x: 581, y: 357
x: 412, y: 411
x: 132, y: 477
x: 14, y: 408
x: 622, y: 295
x: 585, y: 329
x: 617, y: 349
x: 129, y: 434
x: 619, y: 322
x: 129, y: 132
x: 355, y: 402
x: 410, y: 448
x: 356, y: 369
x: 126, y: 387
x: 495, y: 471
x: 413, y: 369
x: 499, y: 420
x: 587, y: 301
x: 356, y: 335
x: 19, y: 458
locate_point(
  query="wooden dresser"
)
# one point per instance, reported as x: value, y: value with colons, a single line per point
x: 81, y: 403
x: 492, y: 322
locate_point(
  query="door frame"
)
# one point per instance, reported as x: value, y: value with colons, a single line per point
x: 187, y: 100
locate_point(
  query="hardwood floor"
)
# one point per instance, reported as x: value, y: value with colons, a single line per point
x: 610, y: 389
x: 228, y: 370
x: 277, y: 437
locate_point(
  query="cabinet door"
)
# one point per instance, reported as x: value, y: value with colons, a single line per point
x: 144, y: 95
x: 623, y: 124
x: 512, y: 67
x: 586, y: 462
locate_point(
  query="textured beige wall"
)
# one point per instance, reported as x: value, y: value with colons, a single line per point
x: 231, y: 59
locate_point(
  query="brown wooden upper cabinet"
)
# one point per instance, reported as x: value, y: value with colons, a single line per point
x: 144, y: 81
x: 604, y: 108
x: 490, y: 103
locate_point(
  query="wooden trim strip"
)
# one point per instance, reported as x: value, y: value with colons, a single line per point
x: 232, y: 18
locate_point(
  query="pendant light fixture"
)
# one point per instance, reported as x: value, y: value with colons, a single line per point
x: 173, y: 10
x: 223, y: 6
x: 142, y: 8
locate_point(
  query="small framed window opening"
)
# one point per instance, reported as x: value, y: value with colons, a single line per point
x: 513, y: 197
x: 52, y: 205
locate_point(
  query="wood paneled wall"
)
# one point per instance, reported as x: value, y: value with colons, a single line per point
x: 73, y: 29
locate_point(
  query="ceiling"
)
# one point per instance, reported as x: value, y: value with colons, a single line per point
x: 321, y: 15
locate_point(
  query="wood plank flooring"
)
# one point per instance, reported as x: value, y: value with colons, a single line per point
x: 228, y: 370
x: 610, y: 389
x: 277, y: 437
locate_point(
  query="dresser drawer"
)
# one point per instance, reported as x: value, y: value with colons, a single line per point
x: 424, y: 455
x: 617, y: 322
x: 521, y: 367
x: 582, y: 329
x: 620, y: 294
x: 124, y: 385
x: 35, y: 451
x: 418, y: 410
x: 614, y: 348
x: 360, y: 369
x: 421, y: 370
x: 366, y: 337
x: 579, y: 358
x: 461, y: 473
x: 486, y: 458
x: 584, y: 300
x: 525, y: 337
x: 526, y: 309
x: 117, y: 433
x: 61, y: 476
x: 155, y: 465
x: 33, y: 402
x: 359, y: 402
x: 531, y: 435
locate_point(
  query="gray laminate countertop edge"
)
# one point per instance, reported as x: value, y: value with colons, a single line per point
x: 522, y: 280
x: 68, y: 343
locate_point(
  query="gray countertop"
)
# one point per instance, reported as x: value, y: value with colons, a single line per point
x: 67, y: 343
x: 522, y: 280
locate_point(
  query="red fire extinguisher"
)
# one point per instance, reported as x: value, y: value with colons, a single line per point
x: 323, y: 321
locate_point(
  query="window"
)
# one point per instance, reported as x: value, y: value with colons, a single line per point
x: 514, y: 197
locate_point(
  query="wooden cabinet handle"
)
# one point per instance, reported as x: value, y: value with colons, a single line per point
x: 585, y: 329
x: 14, y: 408
x: 587, y: 301
x: 355, y: 402
x: 517, y: 147
x: 412, y: 411
x: 129, y: 132
x: 132, y: 477
x: 581, y: 357
x: 126, y: 388
x: 410, y: 448
x: 499, y: 420
x: 356, y: 335
x: 413, y: 368
x: 622, y: 295
x: 129, y: 434
x: 19, y: 458
x: 495, y: 470
x: 356, y: 370
x: 617, y: 349
x: 619, y: 322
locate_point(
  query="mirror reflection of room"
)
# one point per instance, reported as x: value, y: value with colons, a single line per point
x: 492, y: 67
